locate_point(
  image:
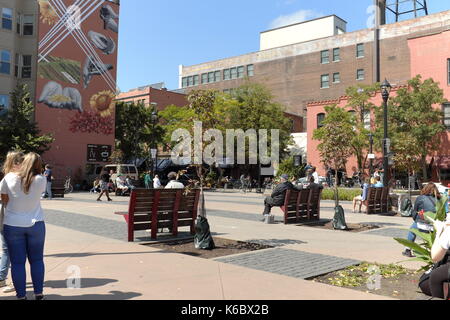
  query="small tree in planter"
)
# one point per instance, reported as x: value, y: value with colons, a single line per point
x: 422, y: 251
x: 336, y: 133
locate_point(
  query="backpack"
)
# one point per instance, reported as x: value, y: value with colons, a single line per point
x: 406, y: 209
x: 339, y: 219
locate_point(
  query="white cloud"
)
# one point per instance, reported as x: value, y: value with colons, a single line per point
x: 296, y: 17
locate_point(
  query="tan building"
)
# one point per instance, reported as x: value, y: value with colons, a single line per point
x: 18, y: 46
x: 318, y: 69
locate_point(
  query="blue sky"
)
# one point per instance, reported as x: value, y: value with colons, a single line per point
x: 157, y: 36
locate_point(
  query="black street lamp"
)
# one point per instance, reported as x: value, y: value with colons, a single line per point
x: 371, y: 135
x: 153, y: 145
x: 385, y: 92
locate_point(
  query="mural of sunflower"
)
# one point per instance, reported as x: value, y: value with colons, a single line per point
x: 48, y: 15
x: 103, y: 102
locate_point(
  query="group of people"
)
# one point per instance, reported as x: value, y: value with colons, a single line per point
x: 372, y: 182
x: 23, y: 227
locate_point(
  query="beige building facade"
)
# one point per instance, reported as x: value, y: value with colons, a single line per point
x: 18, y: 47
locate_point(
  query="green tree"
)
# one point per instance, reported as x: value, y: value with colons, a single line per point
x: 413, y: 118
x: 135, y: 132
x: 252, y: 106
x: 18, y: 130
x: 287, y: 166
x: 335, y: 138
x: 358, y: 102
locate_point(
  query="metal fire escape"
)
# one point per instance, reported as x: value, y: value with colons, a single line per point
x: 407, y: 7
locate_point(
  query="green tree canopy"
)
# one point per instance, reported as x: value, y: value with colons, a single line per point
x: 18, y: 130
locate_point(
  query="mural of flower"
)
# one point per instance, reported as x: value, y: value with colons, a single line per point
x: 48, y: 15
x: 92, y: 122
x: 103, y: 102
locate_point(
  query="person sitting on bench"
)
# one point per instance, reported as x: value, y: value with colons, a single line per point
x: 278, y: 196
x: 121, y: 185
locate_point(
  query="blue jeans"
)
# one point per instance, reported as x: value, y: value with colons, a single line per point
x: 5, y: 263
x: 26, y: 243
x: 411, y: 236
x: 49, y: 190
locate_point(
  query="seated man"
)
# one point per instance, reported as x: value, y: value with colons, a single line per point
x: 278, y: 196
x: 378, y: 183
x: 121, y: 184
x: 173, y: 182
x: 129, y: 183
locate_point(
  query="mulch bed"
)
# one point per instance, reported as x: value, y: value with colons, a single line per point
x: 352, y: 227
x: 224, y: 247
x: 402, y: 287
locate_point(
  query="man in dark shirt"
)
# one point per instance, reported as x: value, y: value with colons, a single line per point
x: 278, y: 196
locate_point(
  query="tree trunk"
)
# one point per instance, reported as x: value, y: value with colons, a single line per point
x: 202, y: 209
x: 336, y: 189
x: 424, y: 168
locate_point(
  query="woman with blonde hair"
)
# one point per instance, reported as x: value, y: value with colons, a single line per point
x: 24, y: 227
x: 12, y: 164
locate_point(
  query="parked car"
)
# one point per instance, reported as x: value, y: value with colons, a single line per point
x: 124, y: 169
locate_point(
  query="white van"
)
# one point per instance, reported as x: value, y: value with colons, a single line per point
x: 129, y: 170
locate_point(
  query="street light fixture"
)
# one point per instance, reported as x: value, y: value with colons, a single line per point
x: 385, y: 92
x: 154, y: 148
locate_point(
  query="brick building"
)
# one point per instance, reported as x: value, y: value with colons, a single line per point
x: 154, y: 94
x: 319, y: 68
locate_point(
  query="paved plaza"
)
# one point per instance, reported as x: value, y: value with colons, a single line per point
x: 86, y: 240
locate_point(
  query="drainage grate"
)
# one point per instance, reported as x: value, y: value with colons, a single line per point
x: 390, y: 232
x: 292, y: 263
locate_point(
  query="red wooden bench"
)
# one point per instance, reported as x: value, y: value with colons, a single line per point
x: 378, y: 200
x: 302, y: 205
x: 161, y: 208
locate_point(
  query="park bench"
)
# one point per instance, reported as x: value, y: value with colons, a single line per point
x: 378, y: 200
x: 161, y: 208
x: 302, y: 205
x: 58, y: 188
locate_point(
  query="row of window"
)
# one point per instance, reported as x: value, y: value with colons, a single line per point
x: 325, y: 54
x: 24, y: 22
x: 325, y: 78
x: 219, y: 75
x: 4, y: 102
x: 367, y: 117
x: 22, y: 66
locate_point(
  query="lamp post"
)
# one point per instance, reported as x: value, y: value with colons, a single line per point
x: 153, y: 146
x: 385, y: 92
x: 371, y: 153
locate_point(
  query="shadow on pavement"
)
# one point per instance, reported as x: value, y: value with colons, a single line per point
x: 112, y: 295
x: 85, y: 283
x: 92, y: 254
x: 276, y: 242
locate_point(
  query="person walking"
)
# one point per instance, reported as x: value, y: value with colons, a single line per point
x: 49, y: 176
x: 104, y: 186
x: 24, y: 227
x: 12, y: 165
x: 148, y: 180
x: 156, y: 182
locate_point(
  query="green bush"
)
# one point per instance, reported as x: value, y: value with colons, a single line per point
x: 344, y: 194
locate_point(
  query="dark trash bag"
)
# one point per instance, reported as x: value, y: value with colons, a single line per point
x: 339, y: 219
x: 203, y: 239
x: 407, y: 209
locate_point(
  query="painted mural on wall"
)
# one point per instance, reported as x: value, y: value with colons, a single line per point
x: 77, y: 63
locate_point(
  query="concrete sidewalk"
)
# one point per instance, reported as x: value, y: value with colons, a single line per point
x: 111, y: 268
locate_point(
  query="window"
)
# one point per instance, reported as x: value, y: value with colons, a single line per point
x: 185, y: 82
x: 18, y: 23
x: 226, y: 74
x: 324, y: 56
x: 360, y: 50
x: 190, y: 81
x: 196, y: 80
x: 5, y: 61
x: 28, y: 25
x: 448, y: 72
x: 233, y: 73
x: 26, y: 67
x: 320, y: 118
x: 211, y: 77
x: 336, y: 77
x: 336, y: 54
x: 217, y: 76
x: 250, y: 70
x: 360, y: 74
x: 16, y: 66
x: 446, y: 110
x: 204, y: 78
x: 7, y: 21
x: 240, y: 72
x: 325, y: 81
